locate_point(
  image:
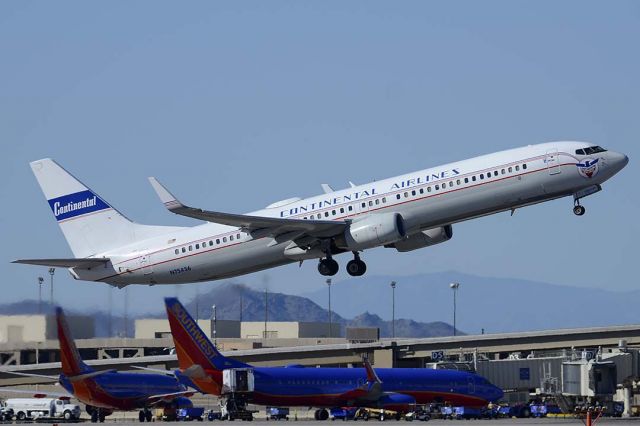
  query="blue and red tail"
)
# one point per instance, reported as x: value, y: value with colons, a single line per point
x: 72, y: 364
x: 198, y: 358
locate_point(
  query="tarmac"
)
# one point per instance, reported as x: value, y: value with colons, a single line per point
x: 497, y: 422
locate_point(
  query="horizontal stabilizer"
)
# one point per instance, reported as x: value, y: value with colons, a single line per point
x: 66, y: 263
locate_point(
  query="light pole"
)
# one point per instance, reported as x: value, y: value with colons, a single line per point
x: 214, y: 327
x: 454, y: 287
x: 329, y: 285
x: 40, y: 282
x: 51, y: 272
x: 266, y: 311
x: 393, y: 309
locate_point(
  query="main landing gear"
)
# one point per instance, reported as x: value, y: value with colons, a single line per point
x: 145, y: 415
x: 329, y: 267
x: 356, y: 267
x: 578, y: 209
x: 321, y: 414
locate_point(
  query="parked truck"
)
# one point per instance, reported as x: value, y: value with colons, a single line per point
x: 40, y: 408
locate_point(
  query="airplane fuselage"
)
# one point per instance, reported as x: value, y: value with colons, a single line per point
x: 328, y: 387
x: 426, y: 200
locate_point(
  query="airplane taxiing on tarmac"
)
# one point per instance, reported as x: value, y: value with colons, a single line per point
x: 398, y: 389
x: 106, y: 391
x: 405, y: 212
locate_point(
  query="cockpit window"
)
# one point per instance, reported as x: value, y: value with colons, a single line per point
x: 590, y: 150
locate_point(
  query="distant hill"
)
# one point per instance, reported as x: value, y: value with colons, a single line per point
x: 495, y: 304
x: 229, y: 297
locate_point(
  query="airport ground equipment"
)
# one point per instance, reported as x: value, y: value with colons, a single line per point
x: 188, y: 414
x: 40, y: 408
x: 277, y: 413
x: 343, y: 413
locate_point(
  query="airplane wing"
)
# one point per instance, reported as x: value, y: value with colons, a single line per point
x: 272, y: 225
x: 168, y: 397
x: 66, y: 263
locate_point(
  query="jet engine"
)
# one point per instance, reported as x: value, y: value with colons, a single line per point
x: 372, y: 231
x: 422, y: 239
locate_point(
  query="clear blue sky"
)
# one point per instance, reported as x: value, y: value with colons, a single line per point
x: 235, y: 105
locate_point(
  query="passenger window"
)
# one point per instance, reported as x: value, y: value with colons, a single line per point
x: 364, y: 205
x: 428, y: 189
x: 230, y: 237
x: 370, y: 203
x: 421, y: 191
x: 326, y: 214
x: 197, y: 246
x: 458, y: 182
x: 473, y: 178
x: 190, y: 248
x: 502, y: 171
x: 341, y: 209
x: 495, y: 173
x: 350, y: 208
x: 466, y: 180
x: 217, y: 240
x: 450, y: 183
x: 517, y: 168
x: 406, y: 195
x: 510, y: 169
x: 398, y: 196
x: 377, y: 201
x: 210, y: 243
x: 437, y: 187
x: 524, y: 166
x: 184, y: 250
x: 319, y: 216
x: 333, y: 212
x: 481, y: 175
x: 238, y: 236
x: 384, y: 199
x: 177, y: 251
x: 224, y: 239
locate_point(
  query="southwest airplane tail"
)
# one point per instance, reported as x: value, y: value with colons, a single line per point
x: 72, y: 364
x: 198, y: 358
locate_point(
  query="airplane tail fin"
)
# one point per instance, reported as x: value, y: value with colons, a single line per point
x: 193, y: 348
x: 89, y: 224
x: 72, y: 364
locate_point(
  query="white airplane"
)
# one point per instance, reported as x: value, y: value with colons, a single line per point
x: 405, y: 212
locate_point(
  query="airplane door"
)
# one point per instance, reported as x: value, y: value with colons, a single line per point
x: 471, y: 386
x: 146, y: 265
x: 552, y: 161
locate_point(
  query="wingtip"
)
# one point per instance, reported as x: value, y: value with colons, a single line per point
x: 167, y: 198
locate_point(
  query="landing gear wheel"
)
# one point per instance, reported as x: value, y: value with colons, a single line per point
x: 94, y: 416
x: 148, y: 415
x: 328, y: 267
x: 578, y: 210
x: 323, y: 414
x: 141, y: 416
x: 356, y: 268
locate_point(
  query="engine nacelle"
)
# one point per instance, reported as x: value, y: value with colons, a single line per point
x: 422, y: 239
x: 372, y: 231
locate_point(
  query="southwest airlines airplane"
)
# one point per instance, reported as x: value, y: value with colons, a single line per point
x: 104, y: 392
x: 406, y: 213
x: 398, y: 389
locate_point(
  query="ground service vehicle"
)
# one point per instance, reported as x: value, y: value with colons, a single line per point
x: 37, y: 408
